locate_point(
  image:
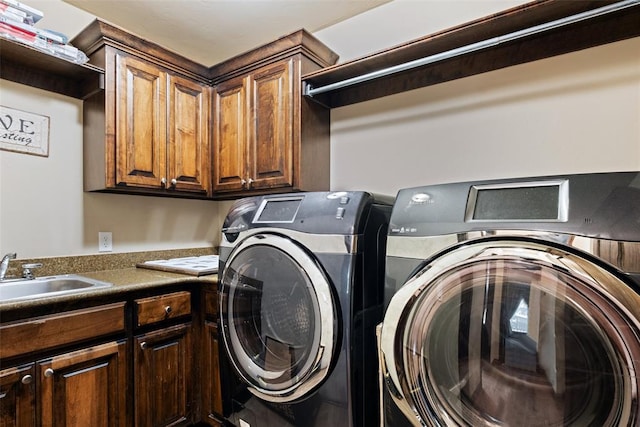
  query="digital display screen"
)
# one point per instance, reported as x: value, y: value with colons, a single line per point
x: 546, y: 202
x: 278, y: 210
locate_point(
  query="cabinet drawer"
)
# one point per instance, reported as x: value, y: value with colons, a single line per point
x: 41, y: 333
x: 162, y: 307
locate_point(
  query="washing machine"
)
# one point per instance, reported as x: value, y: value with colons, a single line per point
x: 513, y: 303
x: 301, y: 292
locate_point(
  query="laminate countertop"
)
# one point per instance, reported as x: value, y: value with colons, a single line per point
x: 117, y: 269
x: 123, y: 281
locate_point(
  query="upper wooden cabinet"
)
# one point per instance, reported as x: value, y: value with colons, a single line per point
x: 266, y: 137
x: 252, y: 130
x: 148, y: 132
x: 151, y: 129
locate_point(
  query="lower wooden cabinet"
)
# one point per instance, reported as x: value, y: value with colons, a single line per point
x: 211, y: 387
x: 163, y: 362
x: 93, y: 367
x: 17, y: 396
x: 87, y: 387
x: 212, y: 408
x: 83, y: 386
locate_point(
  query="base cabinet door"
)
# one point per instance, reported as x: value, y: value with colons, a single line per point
x: 163, y: 363
x: 211, y: 387
x: 85, y: 387
x: 17, y: 397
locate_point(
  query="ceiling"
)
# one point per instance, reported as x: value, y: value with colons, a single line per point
x: 211, y: 31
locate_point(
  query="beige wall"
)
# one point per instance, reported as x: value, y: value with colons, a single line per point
x: 574, y: 113
x: 578, y: 112
x: 44, y: 211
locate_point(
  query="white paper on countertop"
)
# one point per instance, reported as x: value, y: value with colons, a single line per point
x: 196, y: 265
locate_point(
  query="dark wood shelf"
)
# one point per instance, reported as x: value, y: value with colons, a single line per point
x: 608, y: 28
x: 23, y: 64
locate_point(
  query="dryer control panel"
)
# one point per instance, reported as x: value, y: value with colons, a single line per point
x: 312, y: 212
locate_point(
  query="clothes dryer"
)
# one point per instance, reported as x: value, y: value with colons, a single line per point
x: 301, y: 291
x: 513, y: 303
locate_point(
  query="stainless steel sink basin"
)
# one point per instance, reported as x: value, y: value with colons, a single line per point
x: 21, y: 289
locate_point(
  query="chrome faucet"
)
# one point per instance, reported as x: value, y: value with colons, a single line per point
x: 4, y: 265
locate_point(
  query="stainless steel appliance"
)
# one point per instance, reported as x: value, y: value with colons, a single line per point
x: 301, y: 291
x: 513, y: 303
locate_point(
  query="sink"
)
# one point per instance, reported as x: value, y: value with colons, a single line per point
x: 40, y: 287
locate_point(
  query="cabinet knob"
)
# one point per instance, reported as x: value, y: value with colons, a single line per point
x: 168, y: 310
x: 243, y: 182
x: 174, y: 182
x: 143, y: 345
x: 249, y: 182
x: 48, y: 373
x: 163, y: 182
x: 27, y: 379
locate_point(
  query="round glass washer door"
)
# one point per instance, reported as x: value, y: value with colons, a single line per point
x: 278, y: 317
x: 513, y: 333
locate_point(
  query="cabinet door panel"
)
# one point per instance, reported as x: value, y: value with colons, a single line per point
x: 188, y: 157
x: 272, y: 134
x: 229, y: 138
x: 140, y: 123
x: 17, y: 397
x: 211, y: 386
x: 85, y: 387
x: 163, y: 366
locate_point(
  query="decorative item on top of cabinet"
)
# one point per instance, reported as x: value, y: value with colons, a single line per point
x: 148, y: 131
x: 266, y: 137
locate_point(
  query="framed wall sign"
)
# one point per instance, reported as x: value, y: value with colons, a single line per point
x: 24, y: 132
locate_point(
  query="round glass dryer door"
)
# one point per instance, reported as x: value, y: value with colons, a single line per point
x: 278, y: 317
x: 513, y: 333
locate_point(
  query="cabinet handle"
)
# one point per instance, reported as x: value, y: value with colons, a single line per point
x: 163, y: 182
x: 48, y: 373
x: 168, y: 310
x: 249, y: 182
x: 27, y: 379
x: 143, y: 345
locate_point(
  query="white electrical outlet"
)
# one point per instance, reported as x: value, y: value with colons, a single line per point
x: 105, y: 241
